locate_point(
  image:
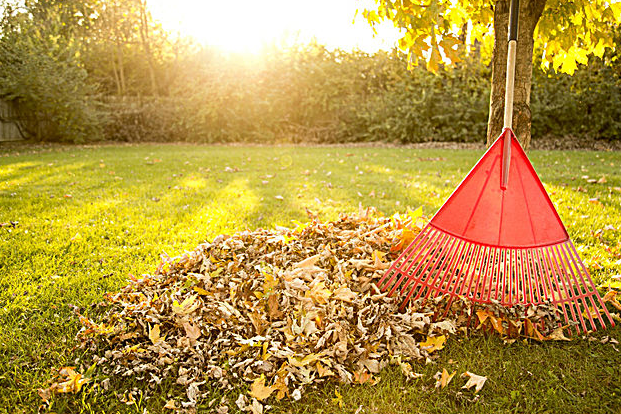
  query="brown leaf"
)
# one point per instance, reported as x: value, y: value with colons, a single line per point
x: 192, y: 331
x: 557, y: 335
x: 273, y: 308
x: 344, y: 293
x: 611, y: 296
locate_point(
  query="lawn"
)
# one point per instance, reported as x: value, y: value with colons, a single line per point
x: 76, y: 221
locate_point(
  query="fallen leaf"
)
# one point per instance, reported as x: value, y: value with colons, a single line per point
x: 154, y: 334
x: 272, y: 307
x: 308, y: 262
x: 474, y: 380
x: 344, y: 293
x: 192, y: 331
x: 611, y: 297
x: 258, y: 389
x: 171, y: 404
x: 71, y: 381
x: 557, y: 335
x: 338, y: 399
x: 443, y: 378
x: 433, y: 343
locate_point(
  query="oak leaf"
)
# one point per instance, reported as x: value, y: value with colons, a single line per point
x: 474, y: 380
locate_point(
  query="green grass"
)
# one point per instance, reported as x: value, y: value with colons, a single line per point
x: 129, y: 204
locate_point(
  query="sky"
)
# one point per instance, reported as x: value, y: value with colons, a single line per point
x: 248, y: 25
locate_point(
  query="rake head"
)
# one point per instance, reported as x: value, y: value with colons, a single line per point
x: 496, y: 242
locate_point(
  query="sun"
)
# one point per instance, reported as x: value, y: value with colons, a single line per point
x: 247, y: 26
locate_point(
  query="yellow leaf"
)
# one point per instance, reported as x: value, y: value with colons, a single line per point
x: 318, y: 293
x: 154, y: 334
x: 269, y: 283
x: 72, y: 383
x: 186, y: 307
x: 200, y: 291
x: 487, y: 316
x: 338, y: 399
x: 171, y: 404
x: 433, y: 343
x: 474, y: 380
x: 258, y: 389
x: 323, y: 372
x: 444, y: 378
x: 434, y: 60
x: 296, y: 362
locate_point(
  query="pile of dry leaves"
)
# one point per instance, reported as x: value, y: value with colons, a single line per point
x: 281, y: 310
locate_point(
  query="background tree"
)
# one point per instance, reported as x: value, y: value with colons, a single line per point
x: 562, y: 33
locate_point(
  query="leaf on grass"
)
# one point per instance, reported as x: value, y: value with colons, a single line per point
x: 338, y: 399
x: 258, y: 389
x: 611, y: 297
x: 474, y: 380
x: 433, y: 343
x: 443, y: 378
x: 407, y: 370
x: 70, y: 381
x: 171, y: 404
x: 557, y: 335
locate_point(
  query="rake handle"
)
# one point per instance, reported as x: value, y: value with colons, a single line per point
x: 514, y: 9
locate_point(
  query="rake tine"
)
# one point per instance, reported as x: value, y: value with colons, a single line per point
x: 567, y: 297
x: 581, y: 289
x: 570, y: 292
x: 531, y: 277
x: 419, y: 281
x: 468, y: 253
x: 484, y: 275
x: 523, y: 274
x: 495, y: 273
x: 406, y: 274
x: 410, y: 250
x: 477, y: 260
x: 576, y: 258
x: 434, y: 249
x: 447, y: 270
x: 543, y: 259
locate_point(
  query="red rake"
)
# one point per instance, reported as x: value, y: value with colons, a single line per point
x: 495, y: 241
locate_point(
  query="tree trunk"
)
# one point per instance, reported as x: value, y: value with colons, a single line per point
x: 146, y: 44
x: 530, y: 12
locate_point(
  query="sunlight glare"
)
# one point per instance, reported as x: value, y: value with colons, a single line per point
x: 250, y: 25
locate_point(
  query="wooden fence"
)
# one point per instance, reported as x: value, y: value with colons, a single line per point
x: 9, y: 131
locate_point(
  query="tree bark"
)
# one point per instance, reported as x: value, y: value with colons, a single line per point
x: 146, y: 44
x: 530, y: 13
